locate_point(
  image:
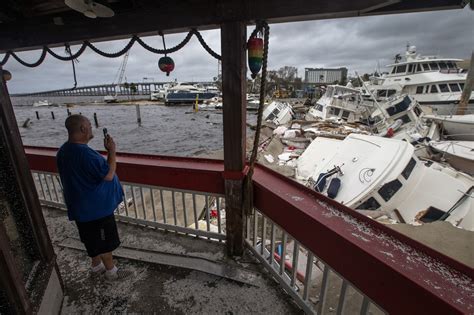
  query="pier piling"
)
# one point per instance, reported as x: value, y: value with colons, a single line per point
x: 139, y: 117
x: 68, y: 112
x: 96, y: 121
x: 52, y: 115
x: 37, y: 115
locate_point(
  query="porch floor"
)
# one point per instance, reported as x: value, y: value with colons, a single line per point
x: 160, y: 288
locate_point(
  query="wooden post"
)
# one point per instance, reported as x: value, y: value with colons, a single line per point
x: 96, y: 121
x: 68, y: 112
x: 234, y: 68
x: 37, y: 115
x: 468, y: 87
x: 139, y: 116
x: 52, y: 115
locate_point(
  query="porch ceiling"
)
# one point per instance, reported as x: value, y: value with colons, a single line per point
x: 30, y: 24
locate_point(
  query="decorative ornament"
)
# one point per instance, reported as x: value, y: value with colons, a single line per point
x: 166, y: 64
x: 255, y: 55
x: 6, y: 75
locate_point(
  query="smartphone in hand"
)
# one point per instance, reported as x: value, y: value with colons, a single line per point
x: 105, y: 133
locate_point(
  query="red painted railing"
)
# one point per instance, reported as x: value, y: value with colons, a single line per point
x: 399, y: 274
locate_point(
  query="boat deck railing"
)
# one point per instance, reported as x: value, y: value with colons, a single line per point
x: 327, y: 257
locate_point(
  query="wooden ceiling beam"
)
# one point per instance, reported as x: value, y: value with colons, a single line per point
x: 179, y: 16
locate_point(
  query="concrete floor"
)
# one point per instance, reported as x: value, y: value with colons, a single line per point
x: 162, y: 289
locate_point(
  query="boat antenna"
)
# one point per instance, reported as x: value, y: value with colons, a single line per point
x: 372, y: 95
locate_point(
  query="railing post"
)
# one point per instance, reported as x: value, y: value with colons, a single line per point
x: 233, y: 46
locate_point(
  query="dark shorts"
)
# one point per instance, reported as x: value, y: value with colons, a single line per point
x: 99, y: 236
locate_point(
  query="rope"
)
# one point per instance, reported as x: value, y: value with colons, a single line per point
x: 128, y: 46
x: 205, y: 46
x: 31, y: 65
x: 248, y: 186
x: 68, y: 50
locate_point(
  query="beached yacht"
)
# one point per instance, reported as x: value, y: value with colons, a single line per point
x: 456, y: 127
x: 431, y: 80
x: 340, y: 103
x: 459, y: 154
x: 186, y: 93
x: 383, y: 177
x: 402, y: 118
x: 278, y: 113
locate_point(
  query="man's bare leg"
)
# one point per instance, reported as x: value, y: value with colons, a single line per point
x: 107, y: 260
x: 96, y: 261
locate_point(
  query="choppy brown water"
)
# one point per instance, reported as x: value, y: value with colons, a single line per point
x: 164, y: 130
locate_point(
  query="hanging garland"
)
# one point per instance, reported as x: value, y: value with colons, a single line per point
x: 128, y: 46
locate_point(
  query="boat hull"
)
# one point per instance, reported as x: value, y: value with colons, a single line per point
x: 187, y: 98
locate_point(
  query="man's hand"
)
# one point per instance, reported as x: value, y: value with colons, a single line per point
x: 109, y: 144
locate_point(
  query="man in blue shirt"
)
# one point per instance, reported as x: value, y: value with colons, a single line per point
x: 92, y: 192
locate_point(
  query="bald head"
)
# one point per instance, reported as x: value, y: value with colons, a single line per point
x: 79, y: 128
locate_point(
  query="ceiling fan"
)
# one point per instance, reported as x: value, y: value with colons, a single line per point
x: 90, y: 8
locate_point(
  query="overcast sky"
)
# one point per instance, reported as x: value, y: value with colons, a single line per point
x: 355, y: 43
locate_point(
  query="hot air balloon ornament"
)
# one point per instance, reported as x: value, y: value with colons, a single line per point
x: 255, y: 55
x: 166, y: 64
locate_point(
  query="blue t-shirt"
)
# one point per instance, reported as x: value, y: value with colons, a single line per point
x: 88, y: 196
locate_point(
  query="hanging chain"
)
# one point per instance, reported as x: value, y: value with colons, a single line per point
x: 128, y: 46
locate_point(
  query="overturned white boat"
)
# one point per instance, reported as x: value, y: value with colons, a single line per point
x: 401, y: 118
x: 457, y: 127
x: 278, y: 113
x: 384, y: 177
x: 459, y: 154
x: 340, y: 103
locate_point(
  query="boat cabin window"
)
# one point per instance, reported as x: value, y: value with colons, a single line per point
x: 419, y: 68
x: 443, y: 88
x: 391, y: 92
x: 405, y: 119
x: 273, y: 114
x: 426, y: 66
x: 417, y: 110
x: 369, y: 204
x: 419, y: 89
x: 402, y: 69
x: 399, y: 107
x: 319, y: 107
x: 443, y: 65
x: 434, y: 89
x: 394, y: 70
x: 409, y: 168
x: 390, y: 189
x: 454, y: 87
x: 345, y: 114
x: 461, y: 85
x: 410, y: 68
x: 451, y: 65
x: 431, y: 215
x: 381, y: 93
x: 434, y: 66
x: 427, y: 87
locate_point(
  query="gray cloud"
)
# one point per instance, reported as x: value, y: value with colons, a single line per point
x: 356, y: 43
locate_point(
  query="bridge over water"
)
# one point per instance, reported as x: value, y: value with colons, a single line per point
x: 143, y: 88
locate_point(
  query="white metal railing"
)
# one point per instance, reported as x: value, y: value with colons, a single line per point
x: 315, y: 287
x: 188, y: 212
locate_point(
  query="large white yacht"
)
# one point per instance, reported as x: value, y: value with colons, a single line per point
x: 379, y: 176
x: 431, y: 80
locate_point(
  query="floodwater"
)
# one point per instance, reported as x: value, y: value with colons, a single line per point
x: 164, y: 130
